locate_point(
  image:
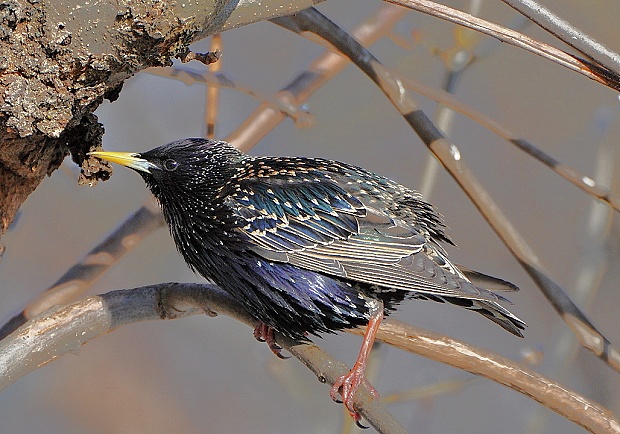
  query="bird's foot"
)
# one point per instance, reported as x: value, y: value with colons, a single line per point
x: 345, y: 388
x: 264, y: 333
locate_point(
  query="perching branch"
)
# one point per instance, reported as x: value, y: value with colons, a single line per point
x: 501, y: 370
x: 64, y: 330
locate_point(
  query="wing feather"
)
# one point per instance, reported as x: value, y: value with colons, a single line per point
x: 315, y: 222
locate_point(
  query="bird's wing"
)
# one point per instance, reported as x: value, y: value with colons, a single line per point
x: 314, y: 223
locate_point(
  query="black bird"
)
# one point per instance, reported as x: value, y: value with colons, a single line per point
x: 308, y: 245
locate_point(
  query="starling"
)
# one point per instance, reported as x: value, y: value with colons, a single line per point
x: 308, y: 245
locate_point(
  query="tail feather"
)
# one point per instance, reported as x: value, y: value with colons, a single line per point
x: 485, y: 281
x: 490, y: 309
x: 493, y: 311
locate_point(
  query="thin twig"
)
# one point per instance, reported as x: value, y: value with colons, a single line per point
x: 213, y: 92
x: 460, y: 58
x: 567, y: 33
x: 431, y: 391
x: 320, y: 71
x: 595, y: 72
x: 585, y: 183
x: 87, y: 270
x: 219, y: 80
x: 390, y: 82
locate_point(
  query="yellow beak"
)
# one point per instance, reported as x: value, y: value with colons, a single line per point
x: 127, y: 159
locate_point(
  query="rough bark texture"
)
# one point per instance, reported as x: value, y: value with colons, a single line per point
x: 60, y: 58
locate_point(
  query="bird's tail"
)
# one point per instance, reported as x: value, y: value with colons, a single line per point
x: 493, y: 311
x: 485, y: 281
x: 490, y: 309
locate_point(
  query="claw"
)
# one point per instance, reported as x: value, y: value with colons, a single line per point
x: 264, y: 333
x: 280, y: 356
x: 277, y: 350
x: 260, y: 331
x: 347, y: 386
x: 359, y: 424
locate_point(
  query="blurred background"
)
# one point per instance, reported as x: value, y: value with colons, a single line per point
x: 204, y: 374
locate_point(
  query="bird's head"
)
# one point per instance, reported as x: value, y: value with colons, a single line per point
x: 181, y: 167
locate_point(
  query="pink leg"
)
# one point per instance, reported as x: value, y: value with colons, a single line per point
x: 264, y: 333
x: 347, y: 385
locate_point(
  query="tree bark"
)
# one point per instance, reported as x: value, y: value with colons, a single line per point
x: 60, y: 58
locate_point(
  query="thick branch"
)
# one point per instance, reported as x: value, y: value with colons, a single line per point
x: 59, y: 60
x: 65, y: 330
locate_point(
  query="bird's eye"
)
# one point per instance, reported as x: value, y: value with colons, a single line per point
x: 170, y: 165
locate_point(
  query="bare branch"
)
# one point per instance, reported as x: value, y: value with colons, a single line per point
x: 65, y: 330
x: 321, y: 70
x: 502, y: 370
x: 100, y: 259
x: 212, y: 97
x: 595, y: 72
x: 567, y: 33
x: 391, y: 84
x: 585, y: 183
x: 217, y: 80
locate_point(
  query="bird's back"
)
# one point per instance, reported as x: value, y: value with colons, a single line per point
x: 317, y: 236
